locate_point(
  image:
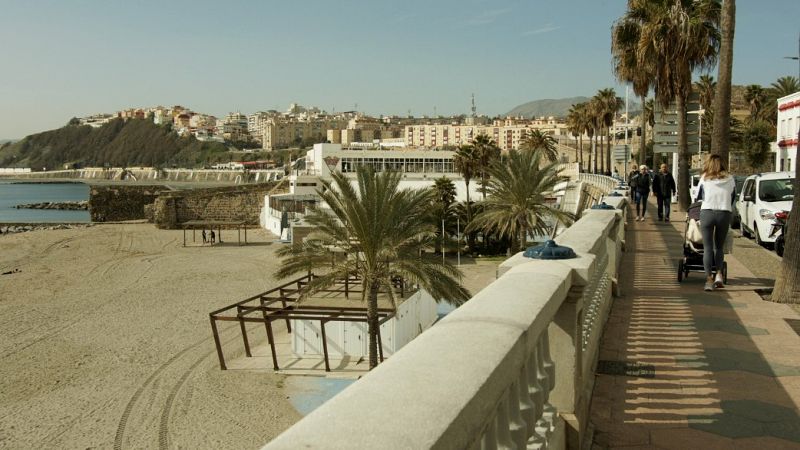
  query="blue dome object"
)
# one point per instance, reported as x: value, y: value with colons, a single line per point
x: 549, y: 250
x: 603, y: 206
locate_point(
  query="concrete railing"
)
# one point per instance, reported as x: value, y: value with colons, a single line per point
x: 607, y: 184
x: 511, y: 368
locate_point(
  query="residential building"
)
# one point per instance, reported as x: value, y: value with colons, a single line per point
x: 785, y: 146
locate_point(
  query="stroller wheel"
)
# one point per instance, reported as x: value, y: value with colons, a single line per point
x: 725, y: 272
x: 680, y: 271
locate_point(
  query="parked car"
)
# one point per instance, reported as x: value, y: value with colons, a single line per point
x: 762, y: 196
x: 736, y: 221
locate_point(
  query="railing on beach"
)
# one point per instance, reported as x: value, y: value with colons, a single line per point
x: 512, y: 368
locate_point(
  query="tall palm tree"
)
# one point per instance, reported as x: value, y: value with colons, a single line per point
x: 754, y: 94
x: 467, y: 161
x: 381, y: 230
x: 706, y: 89
x: 676, y: 37
x: 780, y: 88
x: 721, y: 137
x: 648, y: 119
x: 609, y: 104
x: 444, y: 195
x: 487, y: 151
x: 594, y: 113
x: 627, y: 68
x: 538, y: 140
x: 516, y: 205
x: 575, y: 127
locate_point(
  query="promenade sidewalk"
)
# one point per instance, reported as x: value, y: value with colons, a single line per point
x: 681, y: 368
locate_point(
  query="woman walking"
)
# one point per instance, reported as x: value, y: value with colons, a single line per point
x: 716, y: 189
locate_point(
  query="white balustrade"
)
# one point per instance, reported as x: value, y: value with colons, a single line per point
x: 511, y: 368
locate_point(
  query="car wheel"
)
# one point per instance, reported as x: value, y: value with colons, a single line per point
x: 758, y: 238
x: 745, y: 232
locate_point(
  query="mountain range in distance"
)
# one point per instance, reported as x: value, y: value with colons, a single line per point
x: 557, y: 107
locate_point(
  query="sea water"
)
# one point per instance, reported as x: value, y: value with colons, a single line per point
x: 14, y: 193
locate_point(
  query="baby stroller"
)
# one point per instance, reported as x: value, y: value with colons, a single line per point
x: 692, y: 260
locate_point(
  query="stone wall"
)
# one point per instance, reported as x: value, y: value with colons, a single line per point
x: 237, y: 203
x: 116, y: 203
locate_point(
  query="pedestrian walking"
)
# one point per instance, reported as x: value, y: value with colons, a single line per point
x: 716, y: 190
x: 205, y: 239
x: 634, y: 171
x: 664, y: 189
x: 640, y: 184
x: 213, y: 237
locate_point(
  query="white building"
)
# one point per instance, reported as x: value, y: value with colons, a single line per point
x: 785, y: 146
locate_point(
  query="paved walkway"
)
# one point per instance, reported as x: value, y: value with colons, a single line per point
x: 681, y: 368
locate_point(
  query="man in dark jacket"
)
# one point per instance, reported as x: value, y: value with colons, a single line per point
x: 640, y: 187
x: 664, y: 188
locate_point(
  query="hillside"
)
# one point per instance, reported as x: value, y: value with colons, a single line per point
x: 118, y: 143
x: 558, y: 107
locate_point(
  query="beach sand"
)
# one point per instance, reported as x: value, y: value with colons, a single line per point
x: 106, y: 341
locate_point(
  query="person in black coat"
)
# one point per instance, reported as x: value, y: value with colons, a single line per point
x: 640, y: 187
x: 664, y: 189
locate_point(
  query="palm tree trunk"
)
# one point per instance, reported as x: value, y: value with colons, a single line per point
x: 470, y: 236
x: 643, y: 137
x: 608, y: 150
x: 580, y: 152
x: 720, y: 139
x: 683, y: 154
x: 372, y: 324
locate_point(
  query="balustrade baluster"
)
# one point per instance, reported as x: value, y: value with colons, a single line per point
x: 527, y: 408
x: 489, y: 438
x: 517, y: 426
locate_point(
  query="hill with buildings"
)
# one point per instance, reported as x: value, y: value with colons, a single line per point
x: 118, y: 143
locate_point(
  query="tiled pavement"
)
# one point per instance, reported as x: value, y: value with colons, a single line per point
x: 702, y: 370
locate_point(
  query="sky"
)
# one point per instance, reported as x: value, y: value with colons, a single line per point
x: 60, y: 59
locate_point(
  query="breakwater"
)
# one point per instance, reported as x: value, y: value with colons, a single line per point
x: 149, y: 174
x: 63, y: 206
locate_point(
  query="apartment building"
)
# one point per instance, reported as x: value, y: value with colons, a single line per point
x: 282, y: 132
x: 786, y: 144
x: 507, y: 136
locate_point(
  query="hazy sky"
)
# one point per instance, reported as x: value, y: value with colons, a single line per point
x: 60, y: 59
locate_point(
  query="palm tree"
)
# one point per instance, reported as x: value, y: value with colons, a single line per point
x: 780, y: 88
x: 467, y: 162
x: 754, y: 94
x: 627, y: 68
x: 706, y: 88
x: 676, y: 37
x: 537, y: 140
x: 575, y: 127
x: 648, y: 119
x: 487, y: 151
x: 593, y: 115
x: 609, y: 104
x: 444, y: 195
x: 517, y: 205
x: 721, y: 137
x: 381, y: 230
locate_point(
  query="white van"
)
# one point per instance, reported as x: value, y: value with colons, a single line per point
x: 762, y: 196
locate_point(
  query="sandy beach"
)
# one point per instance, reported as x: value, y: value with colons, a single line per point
x: 106, y: 341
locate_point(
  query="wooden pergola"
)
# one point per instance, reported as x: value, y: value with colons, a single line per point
x: 283, y: 303
x: 215, y: 224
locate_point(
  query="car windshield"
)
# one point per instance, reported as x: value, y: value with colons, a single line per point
x: 776, y: 190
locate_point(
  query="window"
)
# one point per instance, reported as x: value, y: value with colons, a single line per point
x: 776, y: 190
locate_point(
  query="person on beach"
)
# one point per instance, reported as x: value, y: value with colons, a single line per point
x: 640, y: 184
x: 204, y: 236
x: 716, y: 189
x: 213, y: 237
x: 664, y: 189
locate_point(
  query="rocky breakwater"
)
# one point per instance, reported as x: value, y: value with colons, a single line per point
x: 22, y: 228
x: 68, y: 206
